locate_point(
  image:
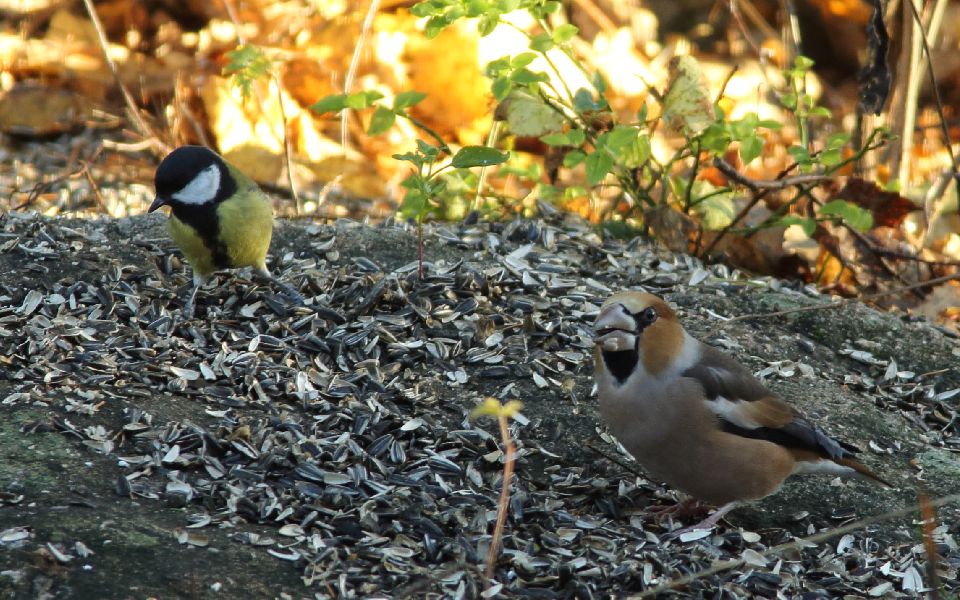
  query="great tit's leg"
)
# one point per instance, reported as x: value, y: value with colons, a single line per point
x: 285, y: 289
x: 198, y: 281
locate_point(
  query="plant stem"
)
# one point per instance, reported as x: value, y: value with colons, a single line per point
x: 503, y: 504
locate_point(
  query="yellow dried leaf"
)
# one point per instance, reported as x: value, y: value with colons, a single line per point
x: 686, y: 105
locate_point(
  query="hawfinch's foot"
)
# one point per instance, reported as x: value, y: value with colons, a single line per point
x: 685, y: 508
x: 706, y: 524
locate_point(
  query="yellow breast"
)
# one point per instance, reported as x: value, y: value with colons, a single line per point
x: 245, y: 226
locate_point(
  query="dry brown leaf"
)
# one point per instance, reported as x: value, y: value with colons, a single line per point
x: 41, y: 111
x: 458, y: 98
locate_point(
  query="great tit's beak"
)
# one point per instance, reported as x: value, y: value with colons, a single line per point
x: 157, y: 203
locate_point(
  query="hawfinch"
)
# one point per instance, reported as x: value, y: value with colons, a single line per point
x: 695, y: 418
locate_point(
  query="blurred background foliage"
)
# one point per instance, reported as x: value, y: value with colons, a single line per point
x: 740, y: 131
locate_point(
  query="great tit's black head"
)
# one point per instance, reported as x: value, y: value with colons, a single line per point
x: 192, y: 176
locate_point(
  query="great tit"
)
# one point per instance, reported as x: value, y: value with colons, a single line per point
x: 219, y: 218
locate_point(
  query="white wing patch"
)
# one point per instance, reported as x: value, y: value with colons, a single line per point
x: 729, y: 410
x: 202, y: 189
x: 822, y: 467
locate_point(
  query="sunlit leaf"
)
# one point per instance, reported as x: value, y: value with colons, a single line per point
x: 715, y: 208
x: 530, y: 115
x: 541, y: 42
x: 853, y: 215
x: 247, y: 64
x: 565, y: 33
x: 809, y: 225
x: 687, y: 106
x: 522, y: 60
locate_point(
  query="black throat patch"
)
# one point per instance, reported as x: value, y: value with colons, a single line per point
x: 621, y: 363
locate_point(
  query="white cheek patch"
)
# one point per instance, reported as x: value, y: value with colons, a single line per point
x: 202, y: 189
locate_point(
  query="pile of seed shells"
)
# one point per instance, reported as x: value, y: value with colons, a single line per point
x: 343, y: 425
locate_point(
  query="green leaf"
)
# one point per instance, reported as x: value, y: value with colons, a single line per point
x: 501, y: 88
x: 541, y: 42
x: 330, y: 104
x: 364, y: 99
x: 599, y: 84
x: 523, y: 59
x: 838, y: 140
x: 382, y: 121
x: 565, y: 33
x: 407, y: 99
x: 574, y: 137
x: 618, y: 138
x: 856, y: 217
x: 574, y: 158
x: 487, y: 24
x: 750, y: 148
x: 809, y: 225
x: 716, y: 138
x: 415, y: 205
x: 524, y: 76
x: 247, y: 64
x: 642, y: 113
x: 424, y: 9
x: 410, y: 157
x: 789, y: 101
x: 556, y: 139
x: 637, y: 153
x: 803, y: 63
x: 478, y: 156
x: 831, y: 158
x: 820, y: 111
x: 799, y: 154
x: 583, y: 101
x: 598, y: 166
x: 550, y: 7
x: 429, y: 151
x: 434, y: 26
x: 715, y: 208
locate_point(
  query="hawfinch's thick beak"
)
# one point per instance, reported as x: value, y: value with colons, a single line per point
x: 615, y: 330
x: 157, y: 203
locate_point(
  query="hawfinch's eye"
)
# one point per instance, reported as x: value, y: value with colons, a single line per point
x: 648, y: 316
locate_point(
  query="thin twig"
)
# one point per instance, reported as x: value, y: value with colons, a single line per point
x: 762, y: 184
x: 935, y: 20
x: 132, y: 108
x: 599, y: 17
x: 352, y: 69
x: 794, y: 545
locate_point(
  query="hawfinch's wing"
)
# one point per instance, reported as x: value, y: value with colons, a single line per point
x: 746, y: 408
